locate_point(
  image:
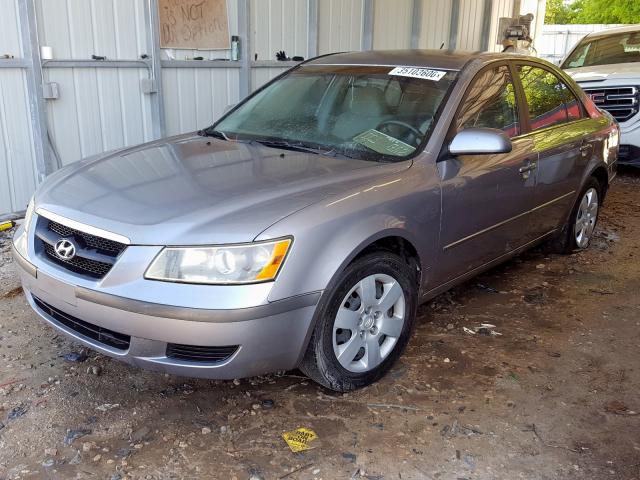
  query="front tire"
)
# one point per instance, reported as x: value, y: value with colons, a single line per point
x: 363, y: 322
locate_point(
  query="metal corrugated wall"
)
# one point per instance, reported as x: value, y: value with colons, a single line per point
x: 99, y: 109
x: 340, y: 25
x: 17, y: 159
x: 104, y: 107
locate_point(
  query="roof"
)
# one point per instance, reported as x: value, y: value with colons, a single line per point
x: 613, y: 31
x: 442, y: 59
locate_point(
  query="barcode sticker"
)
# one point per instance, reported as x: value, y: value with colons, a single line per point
x: 423, y: 73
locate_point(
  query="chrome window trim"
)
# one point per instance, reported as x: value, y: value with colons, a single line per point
x: 83, y: 227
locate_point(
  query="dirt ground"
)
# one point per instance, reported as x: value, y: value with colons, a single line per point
x: 554, y: 397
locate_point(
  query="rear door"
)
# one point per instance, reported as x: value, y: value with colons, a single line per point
x: 559, y: 129
x: 485, y: 198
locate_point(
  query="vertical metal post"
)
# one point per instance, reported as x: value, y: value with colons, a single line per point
x: 152, y: 20
x: 367, y: 25
x: 312, y: 42
x: 416, y: 23
x: 485, y: 34
x: 453, y: 24
x: 45, y: 163
x: 244, y: 31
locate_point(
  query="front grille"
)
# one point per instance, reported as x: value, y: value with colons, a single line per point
x: 621, y: 102
x: 94, y: 256
x: 78, y: 264
x: 194, y: 353
x: 94, y: 332
x: 91, y: 241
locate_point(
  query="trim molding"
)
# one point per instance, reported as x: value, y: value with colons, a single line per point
x: 198, y: 314
x: 83, y: 227
x: 504, y: 222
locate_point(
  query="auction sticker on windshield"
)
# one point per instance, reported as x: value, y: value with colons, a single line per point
x: 424, y: 73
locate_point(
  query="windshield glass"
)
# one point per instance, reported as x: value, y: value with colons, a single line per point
x: 371, y: 113
x: 621, y: 48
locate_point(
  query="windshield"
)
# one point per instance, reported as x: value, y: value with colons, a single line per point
x: 371, y: 113
x: 621, y: 48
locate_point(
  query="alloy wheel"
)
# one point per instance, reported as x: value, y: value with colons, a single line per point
x: 586, y: 218
x: 368, y: 323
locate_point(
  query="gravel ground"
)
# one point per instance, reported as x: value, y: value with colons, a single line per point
x: 554, y: 397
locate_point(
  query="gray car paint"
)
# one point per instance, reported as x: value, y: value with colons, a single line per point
x: 190, y: 190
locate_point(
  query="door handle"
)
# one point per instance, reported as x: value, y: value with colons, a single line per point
x: 527, y: 168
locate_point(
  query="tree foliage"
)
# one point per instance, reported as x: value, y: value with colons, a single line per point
x: 592, y: 11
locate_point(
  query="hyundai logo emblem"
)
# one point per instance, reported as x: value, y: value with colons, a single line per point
x: 64, y: 249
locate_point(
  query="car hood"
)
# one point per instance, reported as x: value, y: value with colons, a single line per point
x: 622, y: 71
x: 190, y: 190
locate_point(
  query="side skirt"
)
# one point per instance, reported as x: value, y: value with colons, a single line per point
x: 426, y: 296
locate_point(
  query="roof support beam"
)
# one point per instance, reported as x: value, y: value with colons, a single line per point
x: 487, y: 11
x: 45, y: 162
x: 453, y: 24
x: 367, y: 25
x: 416, y: 23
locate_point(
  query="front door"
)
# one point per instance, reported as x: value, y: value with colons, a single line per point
x: 485, y: 198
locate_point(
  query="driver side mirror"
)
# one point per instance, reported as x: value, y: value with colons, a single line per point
x: 480, y: 141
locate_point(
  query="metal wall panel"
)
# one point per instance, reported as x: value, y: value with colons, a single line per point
x: 436, y: 18
x: 279, y: 25
x: 17, y: 156
x: 340, y: 25
x: 470, y: 25
x: 260, y: 76
x: 195, y: 97
x: 99, y: 109
x: 392, y: 24
x: 501, y: 8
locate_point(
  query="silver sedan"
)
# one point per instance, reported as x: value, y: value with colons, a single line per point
x: 305, y: 227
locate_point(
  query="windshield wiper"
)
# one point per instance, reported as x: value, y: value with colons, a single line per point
x: 299, y: 147
x: 209, y: 132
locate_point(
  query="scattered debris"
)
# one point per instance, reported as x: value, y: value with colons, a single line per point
x: 107, y: 406
x: 391, y: 405
x: 487, y: 288
x: 76, y: 357
x: 296, y: 470
x: 75, y: 434
x: 618, y: 408
x: 267, y: 403
x: 350, y: 457
x: 17, y: 411
x: 483, y: 329
x: 534, y: 296
x: 300, y: 439
x: 94, y: 370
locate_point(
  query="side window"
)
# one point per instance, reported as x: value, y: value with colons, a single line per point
x: 490, y: 102
x: 545, y: 95
x: 574, y: 110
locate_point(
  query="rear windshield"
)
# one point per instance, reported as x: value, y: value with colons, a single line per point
x: 620, y: 48
x: 366, y: 112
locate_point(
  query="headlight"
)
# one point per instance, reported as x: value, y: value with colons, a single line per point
x: 20, y: 241
x: 232, y: 264
x: 28, y: 215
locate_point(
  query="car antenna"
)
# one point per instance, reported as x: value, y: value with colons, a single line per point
x: 441, y: 45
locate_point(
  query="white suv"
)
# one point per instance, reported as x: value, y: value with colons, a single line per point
x: 606, y: 65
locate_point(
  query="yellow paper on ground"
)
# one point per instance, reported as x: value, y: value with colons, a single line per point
x: 300, y: 439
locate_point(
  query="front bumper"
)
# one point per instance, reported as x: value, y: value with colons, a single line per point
x: 630, y: 143
x: 268, y: 337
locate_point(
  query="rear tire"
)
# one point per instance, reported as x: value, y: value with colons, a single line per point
x: 579, y: 229
x: 363, y: 322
